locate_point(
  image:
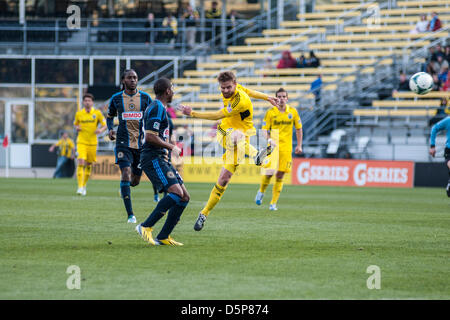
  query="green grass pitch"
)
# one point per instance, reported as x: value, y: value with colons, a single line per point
x: 318, y: 245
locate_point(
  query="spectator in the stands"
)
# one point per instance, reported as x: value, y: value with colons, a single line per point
x: 214, y: 14
x: 286, y: 61
x: 441, y: 113
x: 403, y: 83
x: 446, y: 85
x: 170, y: 22
x: 421, y: 26
x: 435, y: 23
x: 442, y: 75
x: 150, y: 36
x: 447, y: 53
x: 436, y: 82
x: 316, y: 86
x: 313, y: 61
x: 190, y: 17
x: 301, y: 62
x: 435, y: 66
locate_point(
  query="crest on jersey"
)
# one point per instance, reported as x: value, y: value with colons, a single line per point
x: 120, y: 155
x: 131, y: 106
x: 229, y: 108
x: 170, y: 175
x: 94, y: 116
x: 290, y: 116
x: 156, y: 125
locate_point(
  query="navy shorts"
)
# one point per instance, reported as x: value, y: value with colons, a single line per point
x: 447, y: 155
x: 160, y: 172
x: 129, y: 157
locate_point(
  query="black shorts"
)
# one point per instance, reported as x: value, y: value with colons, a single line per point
x: 129, y: 157
x: 160, y: 172
x: 447, y: 155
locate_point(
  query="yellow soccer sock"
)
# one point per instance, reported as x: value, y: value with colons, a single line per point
x: 264, y: 183
x: 80, y: 175
x: 214, y: 198
x: 277, y: 187
x: 87, y: 174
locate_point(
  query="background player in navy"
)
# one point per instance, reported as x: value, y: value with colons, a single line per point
x: 156, y: 165
x: 129, y: 106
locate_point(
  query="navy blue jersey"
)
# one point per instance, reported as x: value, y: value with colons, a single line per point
x: 129, y: 110
x: 156, y: 121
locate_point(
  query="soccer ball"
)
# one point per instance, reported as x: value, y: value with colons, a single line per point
x: 421, y: 83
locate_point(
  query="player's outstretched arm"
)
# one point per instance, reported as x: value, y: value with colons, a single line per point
x: 261, y: 96
x: 216, y: 115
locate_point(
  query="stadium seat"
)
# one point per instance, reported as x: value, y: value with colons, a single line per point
x: 303, y: 71
x: 363, y: 45
x: 258, y: 48
x: 394, y: 113
x: 406, y: 103
x: 384, y: 36
x: 414, y: 11
x: 358, y: 54
x: 390, y: 28
x: 426, y: 3
x: 241, y: 56
x: 282, y: 80
x: 412, y: 95
x: 283, y: 32
x: 264, y: 40
x: 311, y: 23
x: 326, y: 15
x: 411, y: 19
x: 354, y: 62
x: 220, y: 65
x: 341, y: 7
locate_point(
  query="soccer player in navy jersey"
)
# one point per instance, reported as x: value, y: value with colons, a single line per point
x: 129, y: 106
x: 156, y: 165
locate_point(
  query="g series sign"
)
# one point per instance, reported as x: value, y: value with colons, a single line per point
x: 359, y: 173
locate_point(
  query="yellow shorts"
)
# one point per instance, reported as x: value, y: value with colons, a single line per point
x: 232, y: 157
x: 87, y: 152
x: 278, y: 161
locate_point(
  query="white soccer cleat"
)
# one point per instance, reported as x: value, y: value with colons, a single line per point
x: 273, y: 207
x: 131, y: 219
x: 259, y: 197
x: 80, y: 191
x: 83, y: 191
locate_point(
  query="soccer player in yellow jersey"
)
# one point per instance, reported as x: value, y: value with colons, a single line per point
x: 66, y: 147
x: 277, y: 128
x: 86, y: 123
x: 233, y: 133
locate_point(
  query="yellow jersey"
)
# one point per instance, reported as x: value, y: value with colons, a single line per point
x: 238, y: 111
x: 88, y: 123
x: 66, y: 147
x: 280, y: 124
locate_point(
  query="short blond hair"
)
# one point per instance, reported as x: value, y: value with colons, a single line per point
x: 226, y: 76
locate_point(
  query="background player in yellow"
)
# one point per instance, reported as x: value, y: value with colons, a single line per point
x: 233, y: 133
x: 65, y: 156
x: 86, y: 123
x: 277, y: 128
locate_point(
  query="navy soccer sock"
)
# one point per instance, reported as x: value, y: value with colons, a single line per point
x: 172, y: 219
x: 163, y: 205
x: 126, y: 196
